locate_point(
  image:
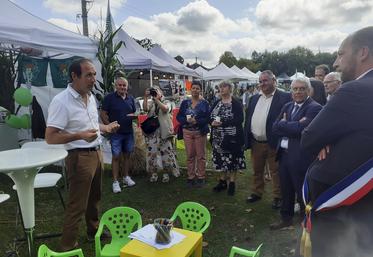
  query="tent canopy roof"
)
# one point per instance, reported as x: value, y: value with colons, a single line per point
x: 222, y: 72
x: 22, y: 29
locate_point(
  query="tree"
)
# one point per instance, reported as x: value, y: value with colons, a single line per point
x: 145, y: 43
x: 228, y: 59
x: 8, y: 72
x: 180, y: 59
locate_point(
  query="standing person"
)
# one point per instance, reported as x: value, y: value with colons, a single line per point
x: 194, y: 116
x: 332, y: 82
x: 261, y: 113
x: 294, y: 117
x: 73, y: 120
x: 321, y: 71
x: 342, y: 135
x: 120, y: 106
x: 246, y: 95
x: 227, y: 138
x: 318, y: 91
x: 159, y: 142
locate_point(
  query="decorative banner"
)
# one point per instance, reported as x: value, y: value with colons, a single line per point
x: 32, y: 71
x: 60, y: 71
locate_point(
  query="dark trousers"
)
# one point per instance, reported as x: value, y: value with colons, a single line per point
x: 345, y: 231
x: 291, y: 182
x: 84, y: 171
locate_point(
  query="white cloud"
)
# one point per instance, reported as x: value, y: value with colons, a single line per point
x: 201, y: 30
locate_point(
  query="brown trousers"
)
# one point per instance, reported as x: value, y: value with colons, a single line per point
x: 84, y: 171
x: 260, y: 154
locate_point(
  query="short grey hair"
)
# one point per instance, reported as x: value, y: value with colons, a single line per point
x: 121, y: 78
x: 269, y: 73
x: 304, y: 80
x: 335, y: 75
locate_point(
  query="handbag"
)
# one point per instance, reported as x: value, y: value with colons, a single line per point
x: 150, y: 125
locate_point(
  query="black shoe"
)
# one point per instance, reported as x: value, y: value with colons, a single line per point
x: 276, y: 203
x: 222, y: 185
x: 281, y: 224
x: 231, y: 188
x: 253, y: 198
x: 104, y: 236
x: 190, y: 183
x: 200, y: 182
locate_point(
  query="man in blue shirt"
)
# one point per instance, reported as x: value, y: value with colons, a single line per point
x: 120, y: 106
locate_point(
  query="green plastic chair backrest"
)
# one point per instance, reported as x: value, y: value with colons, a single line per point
x: 194, y: 216
x: 121, y: 221
x: 236, y: 250
x: 44, y: 251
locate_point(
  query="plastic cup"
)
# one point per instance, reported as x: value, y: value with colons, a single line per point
x: 163, y: 227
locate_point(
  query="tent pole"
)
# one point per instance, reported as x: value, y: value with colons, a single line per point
x: 151, y: 78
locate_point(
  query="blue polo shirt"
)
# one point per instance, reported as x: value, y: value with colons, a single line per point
x: 118, y: 108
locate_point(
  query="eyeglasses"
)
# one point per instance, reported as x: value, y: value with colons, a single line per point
x: 298, y: 89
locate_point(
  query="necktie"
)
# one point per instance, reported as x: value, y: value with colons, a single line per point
x: 294, y: 112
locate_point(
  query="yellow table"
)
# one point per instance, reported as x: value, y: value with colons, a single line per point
x: 192, y: 243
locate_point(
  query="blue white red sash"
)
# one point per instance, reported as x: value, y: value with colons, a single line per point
x: 346, y: 192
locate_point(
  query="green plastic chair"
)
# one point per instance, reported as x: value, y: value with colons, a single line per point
x: 44, y: 251
x: 194, y: 216
x: 236, y: 250
x: 120, y: 221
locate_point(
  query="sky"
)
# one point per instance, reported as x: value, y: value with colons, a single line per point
x: 207, y: 28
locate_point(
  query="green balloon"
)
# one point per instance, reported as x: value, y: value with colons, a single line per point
x: 23, y: 96
x: 14, y: 121
x: 25, y: 121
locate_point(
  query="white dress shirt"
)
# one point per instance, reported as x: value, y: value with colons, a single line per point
x: 259, y: 119
x: 68, y: 112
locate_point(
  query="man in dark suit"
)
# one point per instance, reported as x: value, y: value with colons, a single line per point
x: 261, y: 113
x: 294, y: 117
x: 342, y: 134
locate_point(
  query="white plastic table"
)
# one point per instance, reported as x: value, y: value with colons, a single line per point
x: 21, y: 165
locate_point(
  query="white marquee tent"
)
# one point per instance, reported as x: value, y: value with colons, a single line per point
x: 162, y: 54
x: 222, y: 72
x: 133, y: 56
x: 22, y: 29
x: 201, y: 72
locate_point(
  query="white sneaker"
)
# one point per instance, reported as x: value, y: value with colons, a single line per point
x: 296, y: 208
x: 154, y: 177
x: 116, y: 187
x: 128, y: 181
x: 165, y: 178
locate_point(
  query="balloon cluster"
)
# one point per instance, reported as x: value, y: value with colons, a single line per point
x: 23, y: 97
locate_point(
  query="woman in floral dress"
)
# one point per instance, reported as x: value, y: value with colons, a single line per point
x: 227, y: 138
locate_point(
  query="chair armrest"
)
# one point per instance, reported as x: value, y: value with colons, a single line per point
x: 244, y: 252
x: 98, y: 240
x: 75, y: 252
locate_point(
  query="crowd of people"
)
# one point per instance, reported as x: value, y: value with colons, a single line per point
x: 317, y: 143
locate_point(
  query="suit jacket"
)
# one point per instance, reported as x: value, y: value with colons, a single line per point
x: 346, y: 125
x: 279, y: 99
x: 292, y: 128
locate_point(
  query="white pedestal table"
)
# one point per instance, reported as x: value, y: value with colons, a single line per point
x: 21, y: 165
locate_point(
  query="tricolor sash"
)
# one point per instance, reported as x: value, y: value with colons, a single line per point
x: 344, y: 193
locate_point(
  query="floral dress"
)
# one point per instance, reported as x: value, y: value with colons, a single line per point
x: 160, y: 154
x: 231, y: 159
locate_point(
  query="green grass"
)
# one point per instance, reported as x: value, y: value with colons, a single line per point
x: 234, y: 222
